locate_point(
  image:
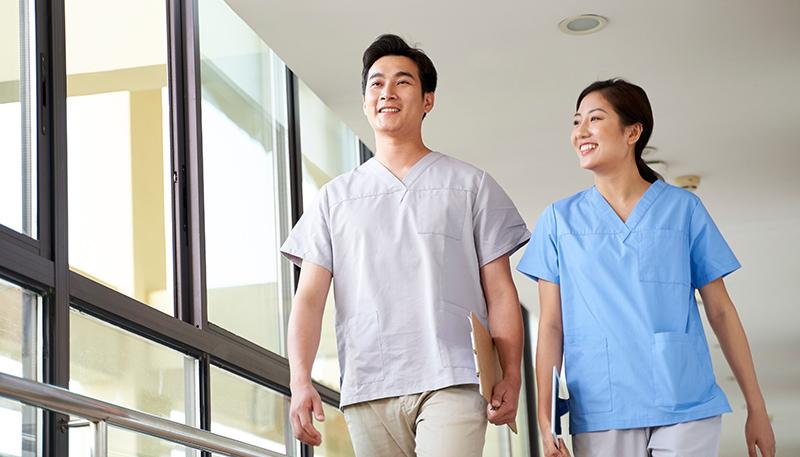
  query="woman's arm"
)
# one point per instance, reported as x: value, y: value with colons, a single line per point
x: 725, y: 322
x: 549, y: 350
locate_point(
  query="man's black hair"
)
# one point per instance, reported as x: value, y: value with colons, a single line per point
x: 393, y: 45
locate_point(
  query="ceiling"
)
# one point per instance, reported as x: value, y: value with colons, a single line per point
x: 722, y: 76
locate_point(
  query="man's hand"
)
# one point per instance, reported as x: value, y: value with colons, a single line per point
x: 503, y: 407
x: 305, y: 402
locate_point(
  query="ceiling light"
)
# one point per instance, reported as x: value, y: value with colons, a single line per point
x: 688, y: 182
x: 582, y: 24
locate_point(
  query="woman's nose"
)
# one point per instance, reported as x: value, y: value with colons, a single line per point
x: 581, y: 130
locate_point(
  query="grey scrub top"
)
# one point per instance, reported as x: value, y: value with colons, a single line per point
x: 405, y: 258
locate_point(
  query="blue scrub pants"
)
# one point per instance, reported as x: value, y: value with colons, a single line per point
x: 698, y: 438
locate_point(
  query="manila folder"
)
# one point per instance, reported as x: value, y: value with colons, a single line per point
x: 486, y: 361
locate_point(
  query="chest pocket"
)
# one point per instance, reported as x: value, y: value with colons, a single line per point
x: 664, y: 256
x: 439, y: 211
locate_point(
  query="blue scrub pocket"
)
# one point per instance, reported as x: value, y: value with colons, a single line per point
x: 664, y: 256
x: 682, y: 371
x: 588, y: 375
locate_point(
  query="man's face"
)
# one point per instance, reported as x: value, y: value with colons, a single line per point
x: 393, y: 100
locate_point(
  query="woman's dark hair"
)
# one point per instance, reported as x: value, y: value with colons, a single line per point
x: 393, y: 45
x: 632, y: 106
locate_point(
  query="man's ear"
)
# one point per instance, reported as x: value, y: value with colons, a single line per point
x: 428, y: 99
x: 364, y: 105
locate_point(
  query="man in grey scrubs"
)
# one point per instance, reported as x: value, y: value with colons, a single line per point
x: 414, y: 241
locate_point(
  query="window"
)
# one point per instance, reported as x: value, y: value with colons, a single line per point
x: 18, y: 108
x: 335, y: 437
x: 19, y: 331
x: 246, y: 411
x: 120, y: 210
x: 328, y: 149
x: 20, y: 356
x: 116, y: 366
x: 20, y: 435
x: 244, y: 141
x: 124, y: 443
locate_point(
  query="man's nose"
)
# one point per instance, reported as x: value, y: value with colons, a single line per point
x: 387, y: 94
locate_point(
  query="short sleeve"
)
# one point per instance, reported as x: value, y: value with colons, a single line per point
x: 710, y: 255
x: 310, y: 239
x: 540, y: 260
x: 497, y: 226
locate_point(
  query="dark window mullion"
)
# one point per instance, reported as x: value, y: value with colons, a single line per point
x: 176, y: 67
x: 52, y: 154
x: 193, y: 165
x: 364, y: 153
x: 529, y: 377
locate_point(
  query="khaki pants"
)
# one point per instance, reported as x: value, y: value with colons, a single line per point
x: 698, y: 438
x: 440, y: 423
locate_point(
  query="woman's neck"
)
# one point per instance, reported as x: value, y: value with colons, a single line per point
x: 622, y: 188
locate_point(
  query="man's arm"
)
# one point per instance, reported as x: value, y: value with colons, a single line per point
x: 305, y: 324
x: 505, y: 322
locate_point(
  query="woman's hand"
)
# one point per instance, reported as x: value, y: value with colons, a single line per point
x: 550, y: 449
x: 758, y: 433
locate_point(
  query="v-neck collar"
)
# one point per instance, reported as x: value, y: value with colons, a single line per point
x: 624, y: 229
x: 413, y: 173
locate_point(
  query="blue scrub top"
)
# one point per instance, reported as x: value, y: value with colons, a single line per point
x: 634, y: 346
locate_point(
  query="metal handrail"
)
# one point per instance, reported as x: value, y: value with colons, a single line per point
x: 63, y: 401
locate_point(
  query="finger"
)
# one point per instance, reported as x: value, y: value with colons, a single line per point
x: 310, y: 433
x: 766, y: 450
x: 751, y: 449
x: 563, y: 448
x: 319, y: 413
x: 497, y: 398
x: 297, y: 428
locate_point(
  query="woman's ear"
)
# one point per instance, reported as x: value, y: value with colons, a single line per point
x: 634, y: 132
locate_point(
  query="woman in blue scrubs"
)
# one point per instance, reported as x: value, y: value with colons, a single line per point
x: 617, y: 267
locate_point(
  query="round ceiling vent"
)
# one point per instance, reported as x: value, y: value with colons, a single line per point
x: 582, y: 24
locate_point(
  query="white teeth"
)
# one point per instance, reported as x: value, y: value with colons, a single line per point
x: 389, y: 110
x: 587, y: 147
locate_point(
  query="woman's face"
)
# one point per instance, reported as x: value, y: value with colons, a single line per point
x: 598, y: 136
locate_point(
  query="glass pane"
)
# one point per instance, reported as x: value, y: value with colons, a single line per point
x: 124, y: 443
x: 119, y: 367
x: 335, y: 437
x: 244, y: 137
x: 246, y: 411
x: 19, y: 332
x: 21, y: 429
x: 120, y: 210
x: 328, y: 149
x: 18, y: 117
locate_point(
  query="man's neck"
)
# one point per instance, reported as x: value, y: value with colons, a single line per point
x: 399, y: 155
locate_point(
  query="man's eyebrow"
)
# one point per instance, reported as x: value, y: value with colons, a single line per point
x: 396, y: 75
